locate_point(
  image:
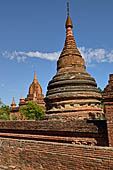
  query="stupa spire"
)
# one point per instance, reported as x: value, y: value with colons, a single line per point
x: 13, y: 103
x: 68, y: 21
x: 70, y: 49
x: 21, y: 98
x: 22, y: 101
x: 35, y: 78
x: 68, y: 8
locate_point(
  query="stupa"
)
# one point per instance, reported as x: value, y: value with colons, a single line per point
x: 72, y: 91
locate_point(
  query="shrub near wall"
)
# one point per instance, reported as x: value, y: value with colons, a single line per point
x: 34, y: 155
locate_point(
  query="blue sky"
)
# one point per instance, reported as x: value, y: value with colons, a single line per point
x: 32, y: 33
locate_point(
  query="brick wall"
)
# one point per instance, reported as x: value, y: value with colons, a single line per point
x: 34, y: 155
x: 108, y: 101
x: 88, y: 132
x: 109, y: 117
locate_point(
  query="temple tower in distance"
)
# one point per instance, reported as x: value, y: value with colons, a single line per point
x: 72, y: 91
x: 35, y: 93
x: 14, y: 110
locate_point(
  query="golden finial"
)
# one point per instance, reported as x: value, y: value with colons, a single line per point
x: 13, y: 101
x: 21, y: 98
x: 35, y: 78
x: 67, y: 8
x: 68, y: 21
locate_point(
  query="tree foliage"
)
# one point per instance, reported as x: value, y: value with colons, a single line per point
x: 1, y: 103
x: 100, y: 90
x: 32, y: 111
x: 14, y: 117
x: 4, y: 112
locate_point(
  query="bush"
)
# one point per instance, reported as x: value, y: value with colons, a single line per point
x: 14, y: 117
x: 4, y: 112
x: 32, y: 111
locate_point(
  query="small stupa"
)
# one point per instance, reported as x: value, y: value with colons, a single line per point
x: 14, y: 111
x: 72, y: 91
x: 13, y: 103
x: 22, y: 102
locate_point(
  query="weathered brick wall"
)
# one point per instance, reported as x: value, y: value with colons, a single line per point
x: 34, y: 155
x: 88, y: 132
x: 108, y: 101
x: 109, y: 117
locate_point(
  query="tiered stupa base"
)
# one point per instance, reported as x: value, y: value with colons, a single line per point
x: 73, y: 94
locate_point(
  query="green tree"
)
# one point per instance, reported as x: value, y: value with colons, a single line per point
x: 14, y: 117
x: 1, y: 103
x: 32, y: 111
x: 100, y: 90
x: 4, y: 112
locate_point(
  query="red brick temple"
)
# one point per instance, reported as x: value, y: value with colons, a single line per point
x: 72, y: 91
x: 35, y: 94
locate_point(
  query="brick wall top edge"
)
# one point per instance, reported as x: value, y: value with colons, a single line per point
x: 56, y: 125
x: 62, y: 144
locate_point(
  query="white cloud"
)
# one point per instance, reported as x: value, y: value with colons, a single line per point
x: 22, y: 56
x: 18, y: 59
x: 110, y: 55
x: 37, y: 54
x: 11, y: 57
x: 98, y: 55
x: 90, y: 55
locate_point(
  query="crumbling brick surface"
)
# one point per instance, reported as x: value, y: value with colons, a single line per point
x: 88, y: 132
x: 33, y: 155
x: 108, y: 101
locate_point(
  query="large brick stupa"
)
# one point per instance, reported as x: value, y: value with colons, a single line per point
x: 72, y: 91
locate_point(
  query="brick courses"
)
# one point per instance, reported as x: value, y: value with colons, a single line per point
x: 108, y: 101
x: 71, y: 131
x: 35, y: 155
